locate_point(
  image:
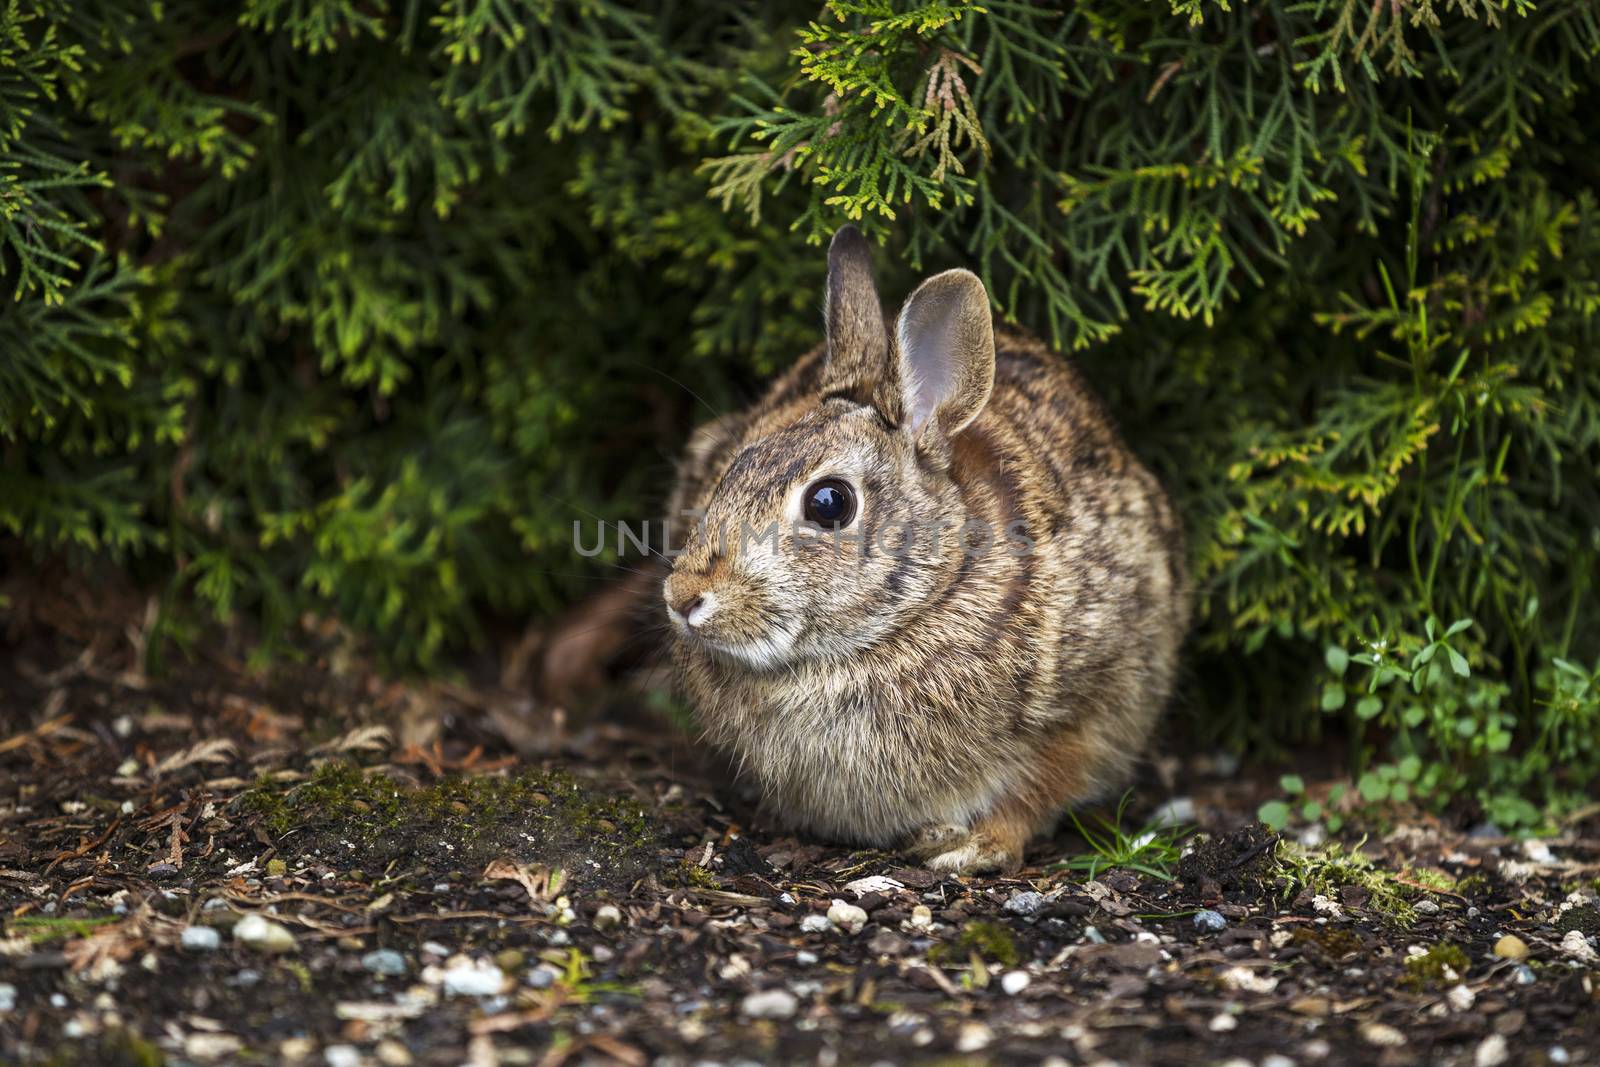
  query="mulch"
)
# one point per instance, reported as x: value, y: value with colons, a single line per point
x: 142, y: 819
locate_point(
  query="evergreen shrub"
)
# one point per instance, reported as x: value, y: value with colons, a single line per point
x: 356, y: 305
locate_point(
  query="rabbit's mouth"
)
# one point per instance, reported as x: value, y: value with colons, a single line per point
x: 763, y: 653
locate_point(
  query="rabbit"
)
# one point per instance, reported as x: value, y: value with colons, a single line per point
x: 939, y: 701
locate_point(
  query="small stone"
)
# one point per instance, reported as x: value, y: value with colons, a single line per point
x: 263, y: 935
x: 1460, y: 998
x: 1206, y: 919
x: 392, y: 1053
x: 815, y: 924
x: 200, y: 939
x: 1426, y: 907
x: 1244, y: 980
x: 1014, y: 982
x: 1511, y: 947
x: 804, y: 958
x: 342, y: 1056
x: 847, y: 917
x: 473, y: 978
x: 1093, y: 935
x: 877, y: 883
x: 1577, y: 946
x: 211, y: 1046
x: 607, y: 916
x: 1382, y: 1035
x: 295, y: 1049
x: 1326, y: 905
x: 921, y: 915
x: 542, y: 977
x: 1222, y: 1024
x: 770, y: 1004
x: 1558, y: 1054
x: 973, y: 1037
x: 277, y: 869
x: 1492, y: 1052
x: 1276, y: 1059
x: 1523, y: 974
x: 511, y: 960
x: 8, y: 998
x: 385, y: 963
x: 1485, y: 829
x: 1026, y: 904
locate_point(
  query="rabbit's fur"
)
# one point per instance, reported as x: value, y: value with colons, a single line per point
x: 946, y: 703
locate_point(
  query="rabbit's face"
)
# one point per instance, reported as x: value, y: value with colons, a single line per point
x: 837, y: 518
x: 821, y: 537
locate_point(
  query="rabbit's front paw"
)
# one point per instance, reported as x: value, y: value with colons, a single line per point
x: 958, y: 850
x: 980, y: 852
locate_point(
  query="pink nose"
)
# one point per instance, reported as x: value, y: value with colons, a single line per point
x: 684, y: 606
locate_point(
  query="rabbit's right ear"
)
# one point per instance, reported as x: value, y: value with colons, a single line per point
x: 858, y: 364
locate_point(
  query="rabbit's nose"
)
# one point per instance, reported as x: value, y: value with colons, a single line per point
x: 692, y: 609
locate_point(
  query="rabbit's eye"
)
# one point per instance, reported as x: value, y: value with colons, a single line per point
x: 830, y: 503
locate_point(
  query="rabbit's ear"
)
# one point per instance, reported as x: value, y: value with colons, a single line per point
x: 946, y: 357
x: 858, y: 364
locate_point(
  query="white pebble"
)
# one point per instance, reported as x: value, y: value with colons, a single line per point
x: 877, y: 883
x: 1492, y: 1052
x: 1426, y: 907
x: 1460, y: 998
x: 473, y: 978
x: 1577, y: 946
x: 1014, y: 982
x: 770, y: 1004
x: 342, y: 1056
x: 1276, y: 1059
x: 1244, y: 980
x: 263, y: 934
x: 1221, y: 1024
x: 607, y: 916
x: 847, y: 917
x: 921, y: 916
x: 8, y: 997
x: 200, y: 939
x: 815, y: 924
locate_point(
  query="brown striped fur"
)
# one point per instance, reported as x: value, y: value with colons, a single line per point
x: 946, y: 704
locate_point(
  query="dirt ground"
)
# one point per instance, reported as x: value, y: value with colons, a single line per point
x: 309, y: 864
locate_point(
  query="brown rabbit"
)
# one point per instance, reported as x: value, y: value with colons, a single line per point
x: 888, y: 686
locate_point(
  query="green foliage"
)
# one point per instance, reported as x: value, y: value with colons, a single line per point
x: 357, y: 306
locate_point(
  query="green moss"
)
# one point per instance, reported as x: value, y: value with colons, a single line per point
x: 1443, y: 964
x: 1328, y: 869
x: 991, y: 941
x: 462, y: 822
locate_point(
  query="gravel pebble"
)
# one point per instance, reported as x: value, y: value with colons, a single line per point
x: 8, y: 997
x: 384, y: 962
x: 847, y: 917
x: 1511, y: 947
x: 1026, y: 904
x: 1524, y: 974
x: 1577, y: 946
x: 770, y: 1004
x: 1426, y: 907
x: 263, y: 934
x: 815, y: 924
x: 1382, y: 1035
x: 473, y: 978
x: 1492, y: 1052
x: 200, y: 939
x: 1206, y: 919
x: 1014, y: 982
x: 342, y: 1056
x: 607, y: 916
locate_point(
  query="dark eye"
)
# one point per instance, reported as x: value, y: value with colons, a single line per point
x: 830, y: 503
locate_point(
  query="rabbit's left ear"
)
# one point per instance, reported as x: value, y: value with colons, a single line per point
x: 945, y: 337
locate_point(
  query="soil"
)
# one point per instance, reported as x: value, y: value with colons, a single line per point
x: 552, y: 892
